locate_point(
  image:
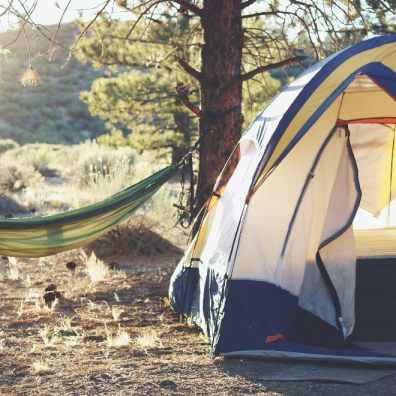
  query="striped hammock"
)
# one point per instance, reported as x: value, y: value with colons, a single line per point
x: 46, y: 235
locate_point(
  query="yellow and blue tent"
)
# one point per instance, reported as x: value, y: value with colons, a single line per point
x: 296, y: 255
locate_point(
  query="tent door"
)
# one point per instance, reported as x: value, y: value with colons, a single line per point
x: 329, y: 207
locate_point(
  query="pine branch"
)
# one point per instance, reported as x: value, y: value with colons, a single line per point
x: 247, y: 3
x: 189, y: 6
x: 188, y: 68
x: 301, y: 3
x: 265, y: 13
x: 182, y: 95
x: 271, y: 66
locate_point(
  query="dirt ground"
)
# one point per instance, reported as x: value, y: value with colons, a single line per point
x: 119, y: 337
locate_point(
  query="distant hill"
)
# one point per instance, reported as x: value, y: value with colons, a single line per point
x: 51, y: 112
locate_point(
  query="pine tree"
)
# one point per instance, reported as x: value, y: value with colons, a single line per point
x: 141, y: 96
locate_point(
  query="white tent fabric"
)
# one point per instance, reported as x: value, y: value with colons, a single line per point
x: 226, y: 214
x: 266, y: 226
x: 375, y: 152
x: 329, y: 206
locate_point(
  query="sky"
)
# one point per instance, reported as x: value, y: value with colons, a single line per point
x: 49, y: 12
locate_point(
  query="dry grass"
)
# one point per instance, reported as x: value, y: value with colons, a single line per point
x: 120, y: 339
x: 97, y: 270
x: 13, y: 269
x: 40, y: 367
x: 149, y: 339
x: 116, y: 313
x: 49, y: 336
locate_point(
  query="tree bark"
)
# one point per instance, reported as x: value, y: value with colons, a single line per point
x: 221, y: 90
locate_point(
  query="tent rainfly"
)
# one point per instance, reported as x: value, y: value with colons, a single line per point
x: 279, y: 267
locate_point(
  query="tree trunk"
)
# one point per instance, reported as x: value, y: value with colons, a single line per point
x: 221, y: 90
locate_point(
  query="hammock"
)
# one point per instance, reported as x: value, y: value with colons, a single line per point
x: 46, y: 235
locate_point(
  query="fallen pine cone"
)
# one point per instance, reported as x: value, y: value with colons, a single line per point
x: 71, y: 265
x: 50, y: 297
x: 51, y: 287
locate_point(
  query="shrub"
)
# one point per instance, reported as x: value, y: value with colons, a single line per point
x: 43, y: 158
x: 97, y: 164
x: 7, y: 144
x: 14, y: 178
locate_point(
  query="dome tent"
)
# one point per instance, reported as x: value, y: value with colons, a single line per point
x: 276, y: 267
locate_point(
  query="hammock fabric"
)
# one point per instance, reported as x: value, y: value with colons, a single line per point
x: 43, y: 236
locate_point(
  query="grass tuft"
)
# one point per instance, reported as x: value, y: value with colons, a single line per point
x: 13, y: 270
x: 116, y: 312
x: 40, y: 367
x: 149, y: 339
x: 120, y: 339
x: 96, y: 268
x: 48, y: 338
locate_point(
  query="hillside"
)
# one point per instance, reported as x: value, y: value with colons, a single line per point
x: 51, y: 112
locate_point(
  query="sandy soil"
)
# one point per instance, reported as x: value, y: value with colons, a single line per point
x: 70, y: 349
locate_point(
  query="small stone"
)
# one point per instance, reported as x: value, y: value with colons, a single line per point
x: 105, y: 376
x: 168, y: 384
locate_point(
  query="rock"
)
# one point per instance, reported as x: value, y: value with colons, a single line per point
x: 105, y: 376
x: 168, y: 384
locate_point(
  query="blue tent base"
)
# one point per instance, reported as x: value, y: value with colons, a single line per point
x: 257, y: 309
